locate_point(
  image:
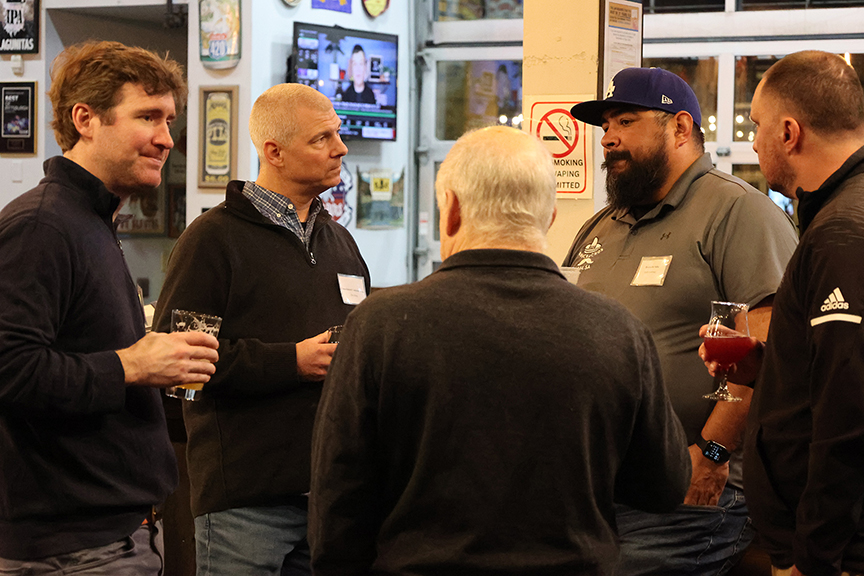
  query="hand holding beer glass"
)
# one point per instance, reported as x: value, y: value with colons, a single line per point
x: 335, y: 334
x: 185, y: 321
x: 727, y: 341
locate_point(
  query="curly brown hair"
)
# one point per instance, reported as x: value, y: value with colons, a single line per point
x: 94, y: 73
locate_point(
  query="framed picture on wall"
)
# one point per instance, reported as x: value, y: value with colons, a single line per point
x: 18, y: 117
x: 217, y: 163
x: 19, y: 30
x: 143, y: 214
x: 176, y: 209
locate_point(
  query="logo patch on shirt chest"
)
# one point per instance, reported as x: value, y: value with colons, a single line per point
x: 585, y: 257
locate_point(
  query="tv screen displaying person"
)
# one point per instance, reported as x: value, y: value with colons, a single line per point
x: 358, y: 91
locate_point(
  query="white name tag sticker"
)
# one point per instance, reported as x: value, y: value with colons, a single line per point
x: 652, y: 271
x: 353, y: 288
x: 572, y: 274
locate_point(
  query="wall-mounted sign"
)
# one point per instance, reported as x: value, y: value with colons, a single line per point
x: 220, y: 33
x: 19, y: 30
x: 566, y: 138
x: 622, y: 38
x: 217, y: 163
x: 336, y: 200
x: 18, y: 116
x: 335, y: 5
x: 143, y: 213
x: 375, y: 8
x: 380, y: 199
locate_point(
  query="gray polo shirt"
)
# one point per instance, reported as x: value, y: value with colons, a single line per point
x: 714, y: 237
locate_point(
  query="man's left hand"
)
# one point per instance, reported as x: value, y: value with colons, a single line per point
x: 708, y: 480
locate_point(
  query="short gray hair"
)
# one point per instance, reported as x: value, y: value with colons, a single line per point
x: 274, y: 114
x: 505, y: 182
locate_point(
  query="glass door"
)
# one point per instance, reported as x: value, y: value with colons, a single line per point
x: 463, y: 88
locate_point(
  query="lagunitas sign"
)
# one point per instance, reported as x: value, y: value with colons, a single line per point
x: 19, y: 33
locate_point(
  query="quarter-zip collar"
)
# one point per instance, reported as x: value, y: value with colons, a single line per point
x: 85, y: 187
x: 810, y: 203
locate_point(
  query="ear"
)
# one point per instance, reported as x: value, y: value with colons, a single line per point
x: 683, y: 128
x: 273, y: 152
x: 84, y: 119
x: 792, y: 135
x: 452, y: 213
x: 554, y: 215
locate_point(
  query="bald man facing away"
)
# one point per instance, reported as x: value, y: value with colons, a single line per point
x: 270, y: 261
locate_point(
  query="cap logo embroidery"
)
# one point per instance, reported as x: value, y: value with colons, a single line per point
x: 665, y: 100
x: 611, y: 89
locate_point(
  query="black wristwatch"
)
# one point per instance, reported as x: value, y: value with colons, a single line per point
x: 714, y: 451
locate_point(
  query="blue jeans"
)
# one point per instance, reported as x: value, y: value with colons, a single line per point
x: 252, y: 541
x: 692, y: 540
x: 139, y: 554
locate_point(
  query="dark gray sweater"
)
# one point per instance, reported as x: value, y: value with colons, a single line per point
x: 483, y: 420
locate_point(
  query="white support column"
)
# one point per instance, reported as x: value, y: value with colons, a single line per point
x: 561, y: 56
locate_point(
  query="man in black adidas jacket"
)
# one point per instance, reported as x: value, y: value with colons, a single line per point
x: 804, y: 451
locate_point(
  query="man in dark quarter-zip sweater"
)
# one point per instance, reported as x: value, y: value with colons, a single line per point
x: 85, y: 450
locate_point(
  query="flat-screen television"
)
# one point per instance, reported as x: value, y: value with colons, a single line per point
x: 356, y: 70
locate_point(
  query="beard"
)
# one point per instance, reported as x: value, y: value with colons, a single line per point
x: 637, y: 183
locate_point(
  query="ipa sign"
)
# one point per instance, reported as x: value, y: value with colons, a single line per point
x: 567, y: 139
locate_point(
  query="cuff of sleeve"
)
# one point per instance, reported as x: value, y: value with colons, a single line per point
x: 109, y: 382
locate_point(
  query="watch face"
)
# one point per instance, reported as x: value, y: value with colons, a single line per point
x: 716, y: 452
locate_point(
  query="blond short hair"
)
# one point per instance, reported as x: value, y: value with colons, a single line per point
x: 274, y: 114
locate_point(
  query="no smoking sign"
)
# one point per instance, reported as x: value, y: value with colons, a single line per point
x: 559, y: 131
x: 567, y: 139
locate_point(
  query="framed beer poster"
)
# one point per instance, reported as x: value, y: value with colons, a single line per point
x: 217, y: 163
x: 18, y: 117
x: 19, y: 30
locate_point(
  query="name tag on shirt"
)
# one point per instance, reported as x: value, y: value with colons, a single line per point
x: 353, y: 288
x: 572, y: 274
x: 652, y: 271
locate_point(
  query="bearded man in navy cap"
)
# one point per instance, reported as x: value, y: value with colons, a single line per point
x: 677, y: 234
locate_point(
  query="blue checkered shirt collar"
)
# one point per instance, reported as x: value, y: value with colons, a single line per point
x: 280, y: 210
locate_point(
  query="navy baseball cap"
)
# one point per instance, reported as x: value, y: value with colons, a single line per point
x: 652, y: 88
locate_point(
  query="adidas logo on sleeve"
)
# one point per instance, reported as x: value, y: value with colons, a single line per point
x: 835, y: 301
x: 832, y: 305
